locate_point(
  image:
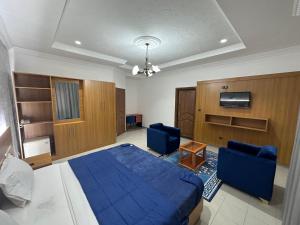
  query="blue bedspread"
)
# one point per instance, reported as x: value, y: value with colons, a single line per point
x: 128, y: 186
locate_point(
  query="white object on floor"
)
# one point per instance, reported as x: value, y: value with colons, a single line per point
x: 36, y: 146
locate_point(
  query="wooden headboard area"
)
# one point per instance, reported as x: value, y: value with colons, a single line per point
x: 5, y: 144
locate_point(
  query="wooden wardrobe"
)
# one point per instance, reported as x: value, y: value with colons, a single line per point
x: 36, y: 101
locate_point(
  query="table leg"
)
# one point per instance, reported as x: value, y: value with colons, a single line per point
x: 194, y: 161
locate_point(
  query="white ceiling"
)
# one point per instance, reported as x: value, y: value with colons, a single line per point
x: 190, y: 30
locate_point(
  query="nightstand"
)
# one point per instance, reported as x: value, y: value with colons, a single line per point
x: 39, y: 161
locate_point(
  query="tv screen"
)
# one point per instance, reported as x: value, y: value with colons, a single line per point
x: 235, y: 99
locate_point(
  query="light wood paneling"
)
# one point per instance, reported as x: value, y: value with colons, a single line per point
x: 70, y: 139
x: 275, y: 97
x: 99, y: 126
x: 100, y: 113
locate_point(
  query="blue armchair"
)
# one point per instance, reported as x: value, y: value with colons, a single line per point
x: 163, y: 139
x: 248, y: 167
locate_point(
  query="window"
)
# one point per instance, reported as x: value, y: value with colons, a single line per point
x: 67, y: 100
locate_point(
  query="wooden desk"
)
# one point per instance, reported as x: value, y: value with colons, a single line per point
x: 134, y: 120
x: 39, y: 161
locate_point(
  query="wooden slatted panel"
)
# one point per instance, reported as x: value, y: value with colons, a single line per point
x: 276, y: 97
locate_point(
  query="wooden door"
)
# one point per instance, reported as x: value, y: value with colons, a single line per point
x: 120, y: 110
x: 185, y: 111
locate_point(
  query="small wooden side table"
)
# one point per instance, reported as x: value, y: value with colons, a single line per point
x: 39, y: 161
x: 196, y: 155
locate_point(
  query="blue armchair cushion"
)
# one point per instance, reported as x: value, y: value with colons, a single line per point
x: 267, y: 152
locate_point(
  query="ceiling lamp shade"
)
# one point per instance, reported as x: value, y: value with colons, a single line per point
x: 148, y: 69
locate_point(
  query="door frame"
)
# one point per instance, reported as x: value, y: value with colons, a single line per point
x: 177, y: 101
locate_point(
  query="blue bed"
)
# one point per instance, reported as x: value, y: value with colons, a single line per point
x: 128, y: 186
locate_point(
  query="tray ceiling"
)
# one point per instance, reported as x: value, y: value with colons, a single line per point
x: 190, y: 31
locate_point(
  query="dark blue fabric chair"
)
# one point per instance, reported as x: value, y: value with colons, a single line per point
x: 248, y: 167
x: 163, y: 139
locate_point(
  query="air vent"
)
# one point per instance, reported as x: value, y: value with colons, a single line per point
x: 296, y: 9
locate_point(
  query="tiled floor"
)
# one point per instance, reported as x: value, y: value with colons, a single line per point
x: 230, y: 206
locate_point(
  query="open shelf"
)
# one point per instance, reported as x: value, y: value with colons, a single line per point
x: 38, y: 130
x: 31, y: 80
x: 248, y: 123
x: 29, y: 94
x: 217, y: 119
x: 34, y: 103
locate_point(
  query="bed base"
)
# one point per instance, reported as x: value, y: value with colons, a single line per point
x: 194, y: 216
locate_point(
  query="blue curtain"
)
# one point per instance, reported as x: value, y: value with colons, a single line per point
x: 67, y: 100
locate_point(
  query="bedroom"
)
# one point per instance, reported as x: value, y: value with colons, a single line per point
x: 206, y: 134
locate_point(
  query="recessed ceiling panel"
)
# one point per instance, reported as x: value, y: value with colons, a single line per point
x: 185, y: 28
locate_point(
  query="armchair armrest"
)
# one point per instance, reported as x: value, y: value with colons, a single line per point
x: 242, y: 147
x: 173, y: 131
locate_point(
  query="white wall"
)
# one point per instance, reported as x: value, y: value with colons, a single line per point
x: 132, y: 96
x: 7, y: 114
x: 156, y: 96
x: 36, y: 62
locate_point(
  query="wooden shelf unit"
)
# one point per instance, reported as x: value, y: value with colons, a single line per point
x: 248, y: 123
x: 33, y: 97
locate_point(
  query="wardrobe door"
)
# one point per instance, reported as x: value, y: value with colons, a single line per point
x: 100, y: 113
x: 69, y: 139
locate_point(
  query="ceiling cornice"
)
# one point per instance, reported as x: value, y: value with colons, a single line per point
x: 88, y: 53
x: 204, y: 55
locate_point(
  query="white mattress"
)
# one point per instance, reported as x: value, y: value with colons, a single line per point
x: 57, y: 200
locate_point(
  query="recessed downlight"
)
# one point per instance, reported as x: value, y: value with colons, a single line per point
x: 223, y: 41
x: 77, y: 42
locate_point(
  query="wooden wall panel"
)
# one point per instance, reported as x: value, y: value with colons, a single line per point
x: 276, y: 97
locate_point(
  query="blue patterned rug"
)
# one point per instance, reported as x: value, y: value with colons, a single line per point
x: 207, y: 172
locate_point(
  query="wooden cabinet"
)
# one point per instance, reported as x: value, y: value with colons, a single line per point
x: 69, y: 139
x: 98, y: 127
x: 36, y: 103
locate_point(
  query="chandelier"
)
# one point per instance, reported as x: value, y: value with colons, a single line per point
x: 149, y: 69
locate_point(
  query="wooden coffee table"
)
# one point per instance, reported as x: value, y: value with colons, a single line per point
x: 195, y: 157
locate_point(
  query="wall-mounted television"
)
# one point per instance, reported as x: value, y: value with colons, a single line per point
x: 235, y: 99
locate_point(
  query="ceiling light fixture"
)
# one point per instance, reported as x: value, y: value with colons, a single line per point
x: 78, y: 42
x: 223, y: 41
x: 147, y: 42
